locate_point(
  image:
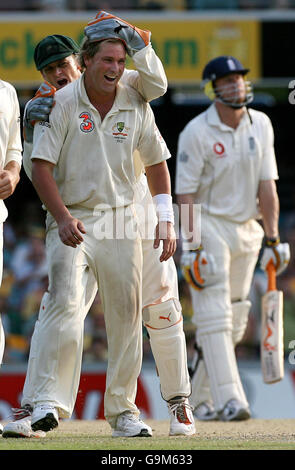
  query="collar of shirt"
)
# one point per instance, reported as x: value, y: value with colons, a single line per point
x: 213, y: 119
x: 122, y: 100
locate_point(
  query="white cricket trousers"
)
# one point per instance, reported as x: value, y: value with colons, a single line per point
x: 159, y: 286
x: 116, y: 265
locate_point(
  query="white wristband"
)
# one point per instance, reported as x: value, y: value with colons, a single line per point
x: 164, y: 208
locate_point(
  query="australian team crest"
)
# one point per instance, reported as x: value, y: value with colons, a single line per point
x: 120, y: 126
x: 120, y: 131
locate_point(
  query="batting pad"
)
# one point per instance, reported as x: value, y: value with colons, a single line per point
x: 221, y: 364
x: 165, y: 327
x: 200, y: 385
x: 240, y: 319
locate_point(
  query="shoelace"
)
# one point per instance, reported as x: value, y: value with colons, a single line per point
x: 20, y: 413
x: 132, y: 417
x: 179, y: 410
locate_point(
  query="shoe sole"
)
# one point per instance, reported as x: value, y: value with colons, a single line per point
x: 14, y: 434
x: 242, y: 415
x: 185, y: 433
x: 208, y: 418
x: 143, y: 433
x: 18, y: 435
x: 47, y: 423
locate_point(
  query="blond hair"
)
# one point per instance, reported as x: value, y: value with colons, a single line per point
x: 89, y: 48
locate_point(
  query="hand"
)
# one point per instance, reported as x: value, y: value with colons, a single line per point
x: 106, y: 26
x: 197, y: 267
x: 8, y: 183
x: 165, y: 232
x: 38, y: 109
x: 70, y: 230
x: 278, y: 252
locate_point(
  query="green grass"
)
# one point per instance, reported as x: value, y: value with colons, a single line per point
x: 77, y: 435
x: 70, y: 442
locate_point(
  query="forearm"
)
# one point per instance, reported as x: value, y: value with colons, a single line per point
x: 151, y: 80
x: 47, y: 189
x: 158, y: 178
x: 190, y: 224
x: 269, y: 207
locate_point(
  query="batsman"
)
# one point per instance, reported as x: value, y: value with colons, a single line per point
x: 226, y: 162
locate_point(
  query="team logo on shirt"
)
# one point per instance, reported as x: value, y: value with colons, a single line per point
x: 120, y: 131
x: 219, y: 149
x: 87, y: 125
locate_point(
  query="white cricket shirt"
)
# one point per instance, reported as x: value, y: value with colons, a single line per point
x: 94, y: 160
x: 10, y: 138
x: 223, y: 166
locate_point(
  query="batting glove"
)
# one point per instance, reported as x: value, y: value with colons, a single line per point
x: 197, y: 266
x: 38, y: 109
x: 276, y: 251
x: 105, y: 26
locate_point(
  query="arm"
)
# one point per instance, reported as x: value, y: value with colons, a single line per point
x: 197, y: 265
x: 186, y: 210
x: 69, y: 228
x: 158, y: 178
x: 149, y: 79
x: 274, y: 250
x: 38, y: 109
x: 14, y: 145
x: 269, y: 207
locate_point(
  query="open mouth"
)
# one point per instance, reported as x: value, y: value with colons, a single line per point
x: 110, y: 79
x: 62, y: 82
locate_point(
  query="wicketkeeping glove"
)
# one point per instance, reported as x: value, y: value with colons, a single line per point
x: 105, y: 26
x: 276, y: 251
x: 38, y: 109
x: 197, y: 266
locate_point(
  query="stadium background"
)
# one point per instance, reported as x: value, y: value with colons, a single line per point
x: 185, y: 34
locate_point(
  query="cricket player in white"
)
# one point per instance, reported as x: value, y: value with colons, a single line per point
x: 10, y: 165
x: 160, y: 287
x: 226, y: 163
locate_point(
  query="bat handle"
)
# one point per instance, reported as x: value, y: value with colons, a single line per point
x: 271, y: 275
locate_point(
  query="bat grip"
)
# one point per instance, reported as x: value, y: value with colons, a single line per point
x: 271, y: 276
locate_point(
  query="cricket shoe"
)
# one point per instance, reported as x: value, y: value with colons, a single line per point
x: 129, y: 425
x: 21, y: 425
x: 182, y: 420
x: 205, y: 412
x: 234, y: 411
x: 44, y: 417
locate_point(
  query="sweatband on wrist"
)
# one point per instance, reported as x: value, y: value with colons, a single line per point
x: 270, y: 242
x: 164, y: 208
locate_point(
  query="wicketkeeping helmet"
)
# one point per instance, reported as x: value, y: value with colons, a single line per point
x: 221, y: 67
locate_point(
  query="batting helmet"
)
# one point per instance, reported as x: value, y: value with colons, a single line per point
x: 221, y: 67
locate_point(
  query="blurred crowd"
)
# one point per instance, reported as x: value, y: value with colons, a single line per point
x: 84, y: 5
x: 25, y: 281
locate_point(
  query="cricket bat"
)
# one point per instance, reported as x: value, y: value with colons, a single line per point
x: 272, y: 335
